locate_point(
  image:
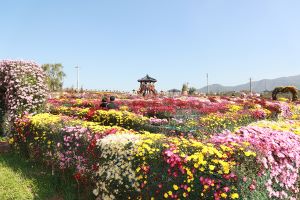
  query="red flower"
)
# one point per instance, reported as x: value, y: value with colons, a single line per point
x: 77, y: 176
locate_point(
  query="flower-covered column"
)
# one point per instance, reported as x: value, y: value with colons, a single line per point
x: 23, y: 88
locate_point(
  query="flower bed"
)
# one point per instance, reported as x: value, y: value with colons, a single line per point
x: 166, y: 107
x: 155, y: 166
x: 282, y: 125
x: 104, y: 117
x: 279, y: 157
x: 229, y: 114
x: 163, y: 107
x: 122, y: 163
x: 226, y: 159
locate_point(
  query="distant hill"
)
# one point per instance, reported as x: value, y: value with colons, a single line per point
x: 257, y: 86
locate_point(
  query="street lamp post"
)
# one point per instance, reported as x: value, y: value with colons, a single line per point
x: 250, y: 85
x: 207, y: 89
x: 77, y: 67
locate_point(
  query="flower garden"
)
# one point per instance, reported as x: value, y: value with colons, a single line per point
x: 161, y: 148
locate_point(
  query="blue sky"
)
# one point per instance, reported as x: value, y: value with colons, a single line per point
x: 117, y: 42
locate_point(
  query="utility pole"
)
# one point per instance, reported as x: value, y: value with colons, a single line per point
x: 207, y: 90
x: 77, y: 78
x: 250, y: 85
x: 265, y: 85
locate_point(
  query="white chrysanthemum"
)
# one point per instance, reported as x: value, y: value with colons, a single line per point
x: 118, y: 138
x: 117, y: 152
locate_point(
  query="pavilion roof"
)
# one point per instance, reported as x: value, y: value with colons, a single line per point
x: 174, y: 90
x: 147, y: 78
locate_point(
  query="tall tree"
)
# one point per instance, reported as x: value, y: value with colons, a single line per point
x: 55, y: 76
x: 192, y: 90
x: 185, y: 88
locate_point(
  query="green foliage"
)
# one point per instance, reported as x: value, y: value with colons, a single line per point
x: 184, y: 87
x: 55, y: 76
x: 192, y: 91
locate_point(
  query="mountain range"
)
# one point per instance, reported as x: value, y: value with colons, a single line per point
x: 257, y: 86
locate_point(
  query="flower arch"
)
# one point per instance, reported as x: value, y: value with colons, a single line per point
x: 290, y: 89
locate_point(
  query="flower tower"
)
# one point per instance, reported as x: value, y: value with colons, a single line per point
x: 22, y: 89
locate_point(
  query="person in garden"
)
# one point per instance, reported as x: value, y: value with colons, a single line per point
x: 111, y: 104
x: 104, y: 103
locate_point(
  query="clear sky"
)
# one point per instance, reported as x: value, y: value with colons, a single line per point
x: 175, y: 41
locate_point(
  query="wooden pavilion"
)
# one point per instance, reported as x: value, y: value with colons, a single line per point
x: 147, y: 86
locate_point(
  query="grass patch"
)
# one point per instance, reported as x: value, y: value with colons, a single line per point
x: 21, y: 179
